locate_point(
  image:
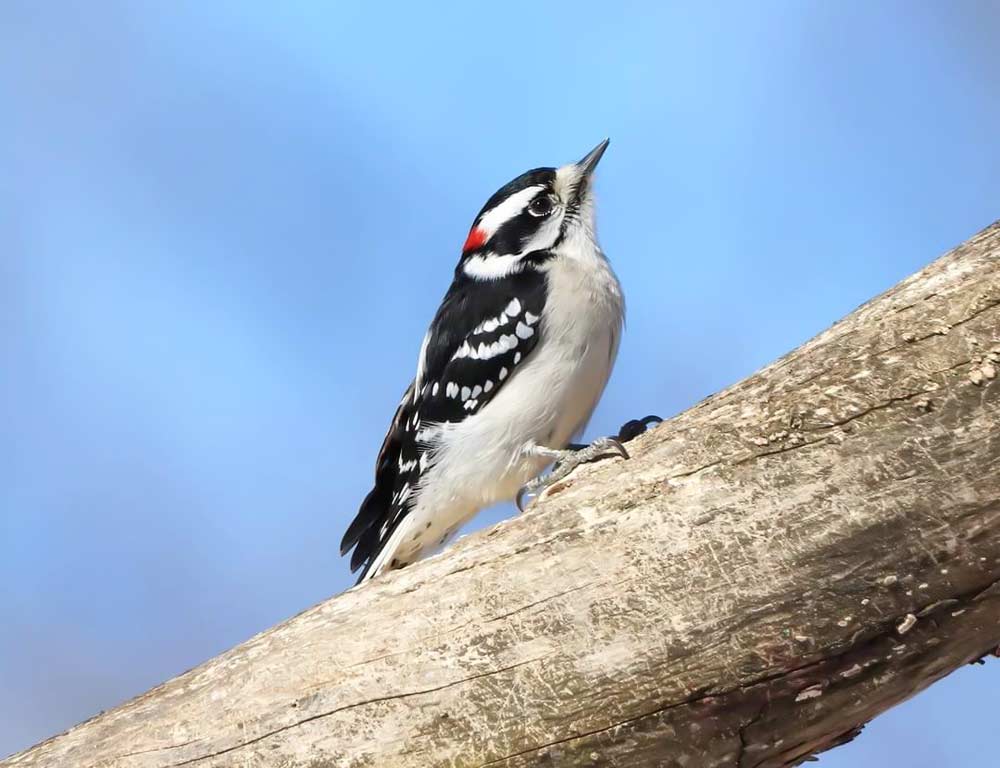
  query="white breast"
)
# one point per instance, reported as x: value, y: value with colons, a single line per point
x: 581, y: 328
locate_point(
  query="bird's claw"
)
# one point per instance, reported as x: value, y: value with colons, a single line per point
x: 583, y: 454
x: 519, y: 499
x: 599, y: 449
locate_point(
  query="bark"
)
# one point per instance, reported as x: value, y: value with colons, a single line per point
x: 770, y: 570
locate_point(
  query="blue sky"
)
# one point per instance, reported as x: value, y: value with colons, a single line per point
x: 224, y: 227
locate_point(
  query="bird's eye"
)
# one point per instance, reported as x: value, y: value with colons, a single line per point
x: 540, y: 206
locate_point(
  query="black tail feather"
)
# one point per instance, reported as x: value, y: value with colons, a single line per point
x: 370, y: 512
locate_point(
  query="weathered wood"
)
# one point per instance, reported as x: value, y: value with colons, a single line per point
x: 772, y: 569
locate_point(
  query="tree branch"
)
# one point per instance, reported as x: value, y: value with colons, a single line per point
x: 771, y: 569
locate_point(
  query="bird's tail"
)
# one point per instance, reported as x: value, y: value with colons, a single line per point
x: 383, y: 559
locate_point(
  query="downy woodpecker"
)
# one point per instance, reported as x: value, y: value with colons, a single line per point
x: 509, y: 372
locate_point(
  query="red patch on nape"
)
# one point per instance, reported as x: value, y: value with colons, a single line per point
x: 475, y: 239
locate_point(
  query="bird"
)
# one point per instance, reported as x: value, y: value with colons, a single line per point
x: 508, y: 374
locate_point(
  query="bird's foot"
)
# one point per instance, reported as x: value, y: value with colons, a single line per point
x: 568, y: 460
x: 574, y: 455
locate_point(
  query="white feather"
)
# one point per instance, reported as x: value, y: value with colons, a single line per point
x: 495, y: 218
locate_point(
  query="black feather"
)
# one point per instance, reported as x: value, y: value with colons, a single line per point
x: 446, y: 377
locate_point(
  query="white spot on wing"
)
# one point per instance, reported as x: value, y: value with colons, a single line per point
x: 466, y: 392
x: 487, y: 386
x: 524, y: 331
x: 514, y: 308
x: 530, y: 318
x: 503, y: 374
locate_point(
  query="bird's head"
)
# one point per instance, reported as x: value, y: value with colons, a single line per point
x: 532, y: 216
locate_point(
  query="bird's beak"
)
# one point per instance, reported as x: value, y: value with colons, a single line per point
x: 592, y: 158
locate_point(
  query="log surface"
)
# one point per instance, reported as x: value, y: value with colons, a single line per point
x: 771, y: 569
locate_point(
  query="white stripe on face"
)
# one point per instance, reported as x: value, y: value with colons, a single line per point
x: 494, y: 218
x: 547, y: 234
x: 490, y: 267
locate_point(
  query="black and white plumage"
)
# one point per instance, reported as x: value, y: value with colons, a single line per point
x: 509, y: 372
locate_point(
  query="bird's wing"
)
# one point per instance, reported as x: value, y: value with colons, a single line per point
x: 481, y: 334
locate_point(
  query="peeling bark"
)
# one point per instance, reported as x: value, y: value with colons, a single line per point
x: 771, y: 569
